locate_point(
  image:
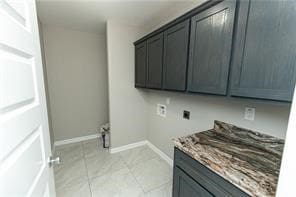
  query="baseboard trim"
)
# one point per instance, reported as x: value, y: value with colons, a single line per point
x: 142, y: 143
x: 76, y: 139
x: 118, y: 149
x: 129, y: 146
x: 161, y: 154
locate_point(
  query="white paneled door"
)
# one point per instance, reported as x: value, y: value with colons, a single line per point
x: 24, y: 133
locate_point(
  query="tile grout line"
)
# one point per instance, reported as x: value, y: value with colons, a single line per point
x: 88, y: 179
x: 157, y: 187
x: 65, y: 163
x: 98, y: 176
x: 137, y: 180
x: 129, y: 168
x: 130, y: 171
x: 156, y: 155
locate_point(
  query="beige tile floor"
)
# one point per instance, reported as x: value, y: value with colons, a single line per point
x: 88, y: 170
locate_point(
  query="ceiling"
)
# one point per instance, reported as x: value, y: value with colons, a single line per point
x: 91, y: 16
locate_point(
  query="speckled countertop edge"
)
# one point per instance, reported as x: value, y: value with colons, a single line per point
x: 198, y: 152
x: 190, y: 153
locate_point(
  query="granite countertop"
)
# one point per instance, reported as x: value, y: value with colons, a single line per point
x: 250, y: 160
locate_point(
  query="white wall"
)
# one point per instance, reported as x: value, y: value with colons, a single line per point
x: 77, y: 81
x: 271, y: 118
x: 127, y: 109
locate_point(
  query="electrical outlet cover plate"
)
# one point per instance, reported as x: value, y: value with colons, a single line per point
x: 250, y: 113
x: 161, y: 110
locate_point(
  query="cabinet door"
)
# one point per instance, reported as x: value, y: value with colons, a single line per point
x: 210, y: 49
x: 264, y: 58
x: 154, y: 61
x: 185, y: 186
x: 175, y: 56
x: 140, y: 65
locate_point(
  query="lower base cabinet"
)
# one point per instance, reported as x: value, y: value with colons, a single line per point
x: 185, y: 186
x: 192, y: 179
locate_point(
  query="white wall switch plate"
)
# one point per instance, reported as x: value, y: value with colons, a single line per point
x: 168, y: 100
x: 161, y: 110
x: 250, y: 113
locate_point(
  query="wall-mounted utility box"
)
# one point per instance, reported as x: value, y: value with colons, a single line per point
x: 161, y: 110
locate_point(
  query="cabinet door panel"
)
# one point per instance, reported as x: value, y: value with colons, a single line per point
x: 154, y: 61
x: 210, y: 49
x: 264, y: 57
x: 140, y: 65
x: 175, y: 56
x: 185, y: 186
x: 205, y: 177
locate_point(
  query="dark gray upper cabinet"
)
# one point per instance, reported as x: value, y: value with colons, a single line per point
x: 241, y: 48
x: 264, y: 57
x: 210, y: 49
x: 154, y: 61
x: 140, y: 64
x: 176, y: 41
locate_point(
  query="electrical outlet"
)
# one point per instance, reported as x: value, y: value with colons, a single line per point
x: 161, y: 110
x: 186, y: 114
x: 250, y: 113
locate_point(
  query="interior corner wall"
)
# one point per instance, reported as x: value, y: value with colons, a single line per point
x: 51, y: 134
x: 127, y: 105
x: 76, y: 65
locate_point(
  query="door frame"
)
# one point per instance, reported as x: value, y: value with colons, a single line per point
x: 286, y: 183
